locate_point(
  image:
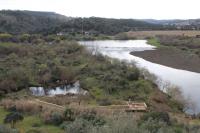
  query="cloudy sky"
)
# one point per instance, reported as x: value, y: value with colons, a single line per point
x: 138, y: 9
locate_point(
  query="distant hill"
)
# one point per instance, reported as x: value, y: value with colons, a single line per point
x: 105, y: 25
x: 29, y: 21
x: 163, y: 22
x: 185, y: 24
x: 195, y: 22
x: 17, y: 22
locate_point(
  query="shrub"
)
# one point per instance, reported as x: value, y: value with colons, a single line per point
x: 25, y: 38
x: 36, y: 125
x: 78, y: 126
x: 134, y: 75
x: 7, y: 85
x: 154, y: 126
x: 4, y: 129
x: 5, y: 37
x: 64, y: 74
x: 7, y: 103
x: 27, y: 107
x: 69, y: 115
x: 92, y: 117
x: 157, y: 116
x: 12, y: 118
x: 12, y: 109
x: 119, y: 124
x: 65, y: 124
x: 104, y: 102
x: 56, y: 118
x: 21, y: 106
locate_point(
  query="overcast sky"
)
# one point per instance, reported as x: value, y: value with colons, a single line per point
x: 138, y: 9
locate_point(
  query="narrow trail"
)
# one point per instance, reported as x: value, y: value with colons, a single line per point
x: 37, y: 101
x: 62, y: 108
x: 179, y: 117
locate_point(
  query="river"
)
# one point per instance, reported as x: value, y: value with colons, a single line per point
x: 188, y: 81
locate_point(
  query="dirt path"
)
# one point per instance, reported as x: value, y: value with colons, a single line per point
x: 37, y: 101
x: 110, y: 110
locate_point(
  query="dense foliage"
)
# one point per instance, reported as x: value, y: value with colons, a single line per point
x: 185, y: 43
x: 24, y: 65
x: 128, y: 124
x: 49, y: 65
x: 17, y: 22
x: 94, y: 25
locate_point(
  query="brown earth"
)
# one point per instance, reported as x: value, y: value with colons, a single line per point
x: 171, y: 57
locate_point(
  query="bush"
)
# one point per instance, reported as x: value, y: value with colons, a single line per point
x: 5, y: 37
x: 21, y: 106
x: 65, y: 124
x: 7, y: 85
x: 36, y: 125
x: 134, y: 75
x: 78, y: 126
x: 104, y: 102
x: 69, y: 115
x: 13, y: 118
x: 4, y: 129
x: 25, y: 38
x: 55, y: 119
x: 157, y: 116
x: 12, y: 109
x: 92, y: 117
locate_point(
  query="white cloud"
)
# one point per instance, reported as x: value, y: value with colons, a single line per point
x: 157, y: 9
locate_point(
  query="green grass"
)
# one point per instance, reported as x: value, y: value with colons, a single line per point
x: 154, y: 42
x: 29, y: 121
x: 3, y: 113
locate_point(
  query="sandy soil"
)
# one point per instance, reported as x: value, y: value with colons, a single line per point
x: 171, y: 57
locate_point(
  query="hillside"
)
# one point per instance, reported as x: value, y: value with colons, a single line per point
x: 110, y: 84
x: 108, y: 26
x: 177, y: 23
x: 17, y: 22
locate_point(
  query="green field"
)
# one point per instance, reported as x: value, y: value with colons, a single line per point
x: 28, y: 123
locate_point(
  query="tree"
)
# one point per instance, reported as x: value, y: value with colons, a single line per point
x: 69, y: 114
x: 134, y: 75
x: 13, y: 118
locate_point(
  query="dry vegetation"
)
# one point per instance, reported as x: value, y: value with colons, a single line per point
x: 102, y: 119
x: 26, y: 106
x: 144, y: 34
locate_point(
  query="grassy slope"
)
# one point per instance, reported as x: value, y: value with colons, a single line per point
x: 28, y: 121
x: 101, y: 77
x: 154, y: 42
x: 25, y: 65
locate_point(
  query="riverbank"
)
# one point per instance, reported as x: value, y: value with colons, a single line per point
x: 171, y: 57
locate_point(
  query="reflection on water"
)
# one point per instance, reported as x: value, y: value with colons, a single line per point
x: 188, y: 81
